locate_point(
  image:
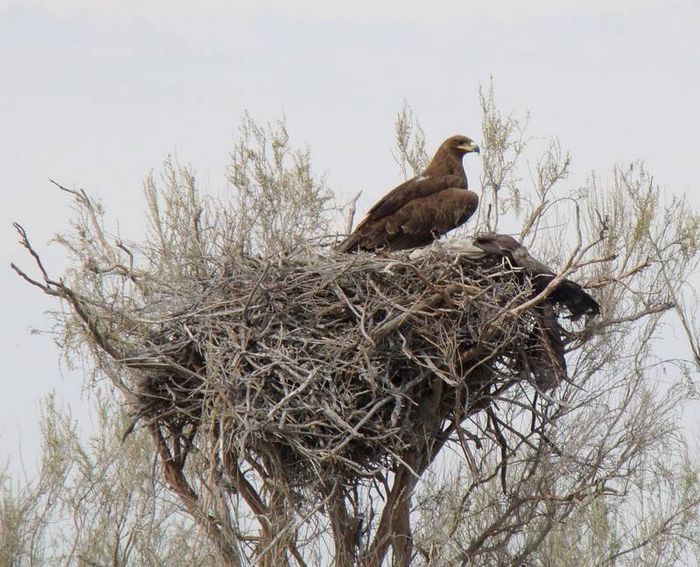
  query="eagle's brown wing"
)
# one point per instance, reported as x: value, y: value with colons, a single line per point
x: 568, y: 292
x: 416, y: 188
x: 545, y: 349
x: 416, y: 223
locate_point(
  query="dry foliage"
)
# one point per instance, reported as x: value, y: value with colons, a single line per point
x: 296, y: 397
x: 312, y: 374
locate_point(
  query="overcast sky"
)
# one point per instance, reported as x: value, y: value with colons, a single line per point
x: 95, y: 94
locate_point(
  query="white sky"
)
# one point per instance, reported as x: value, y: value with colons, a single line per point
x: 94, y: 94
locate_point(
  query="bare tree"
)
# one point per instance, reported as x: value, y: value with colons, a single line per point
x: 308, y: 406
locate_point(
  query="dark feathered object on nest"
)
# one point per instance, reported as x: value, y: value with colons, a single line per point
x: 567, y: 292
x: 541, y: 355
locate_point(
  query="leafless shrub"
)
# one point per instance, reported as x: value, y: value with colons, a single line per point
x: 296, y: 397
x: 278, y: 200
x: 607, y: 479
x: 411, y: 155
x: 95, y: 501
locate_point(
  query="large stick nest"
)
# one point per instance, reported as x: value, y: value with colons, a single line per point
x: 329, y: 364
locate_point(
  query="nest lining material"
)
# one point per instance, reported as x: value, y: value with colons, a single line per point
x: 335, y: 364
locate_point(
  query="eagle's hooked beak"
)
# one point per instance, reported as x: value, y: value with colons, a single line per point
x: 470, y: 147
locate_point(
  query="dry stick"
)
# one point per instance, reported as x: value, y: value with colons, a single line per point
x: 344, y: 539
x: 532, y: 219
x: 254, y: 290
x: 396, y: 508
x: 84, y: 200
x: 394, y: 526
x: 351, y: 213
x: 175, y: 478
x: 24, y: 241
x: 382, y: 537
x: 618, y: 279
x: 58, y: 289
x: 281, y: 533
x: 694, y: 345
x: 431, y: 301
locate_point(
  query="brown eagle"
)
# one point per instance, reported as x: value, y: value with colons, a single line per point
x: 423, y: 208
x: 568, y: 292
x: 543, y: 355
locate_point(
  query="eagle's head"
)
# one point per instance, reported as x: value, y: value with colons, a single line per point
x: 462, y: 145
x: 448, y: 158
